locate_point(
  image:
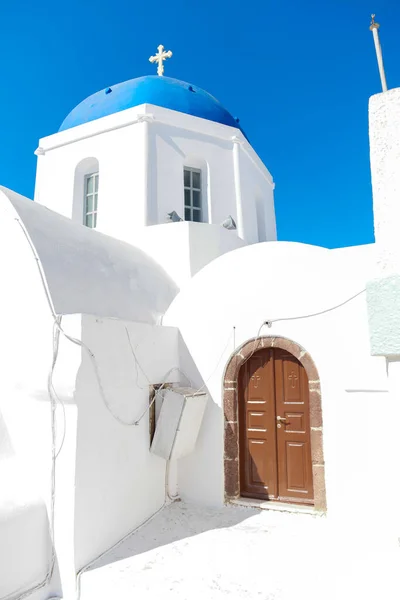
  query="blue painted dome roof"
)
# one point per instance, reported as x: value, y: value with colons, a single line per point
x: 151, y: 89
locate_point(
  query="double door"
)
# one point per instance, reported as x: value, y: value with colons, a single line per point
x: 275, y: 449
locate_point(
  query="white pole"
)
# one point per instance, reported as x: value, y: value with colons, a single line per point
x: 374, y: 28
x: 236, y: 176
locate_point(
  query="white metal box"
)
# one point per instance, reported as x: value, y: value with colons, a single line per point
x: 178, y: 422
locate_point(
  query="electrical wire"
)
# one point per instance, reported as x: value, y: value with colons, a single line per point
x: 114, y: 547
x: 136, y: 361
x: 167, y: 495
x: 50, y: 570
x: 159, y: 390
x: 52, y: 391
x: 216, y: 367
x: 57, y: 329
x: 92, y: 357
x: 54, y: 454
x: 270, y: 322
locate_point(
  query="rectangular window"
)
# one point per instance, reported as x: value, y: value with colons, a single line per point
x: 192, y: 191
x: 90, y: 203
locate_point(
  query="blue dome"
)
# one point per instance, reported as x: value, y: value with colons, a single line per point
x: 152, y: 89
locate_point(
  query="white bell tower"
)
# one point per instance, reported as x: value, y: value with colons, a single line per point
x: 154, y: 149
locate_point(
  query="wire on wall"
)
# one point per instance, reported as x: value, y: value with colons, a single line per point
x: 270, y: 322
x: 57, y: 329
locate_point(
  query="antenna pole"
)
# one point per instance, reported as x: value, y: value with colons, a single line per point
x: 374, y: 28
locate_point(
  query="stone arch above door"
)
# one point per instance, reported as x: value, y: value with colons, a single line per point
x: 231, y: 424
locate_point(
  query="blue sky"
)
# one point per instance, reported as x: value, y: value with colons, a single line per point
x: 298, y: 74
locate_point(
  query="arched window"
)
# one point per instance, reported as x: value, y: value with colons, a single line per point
x: 86, y: 192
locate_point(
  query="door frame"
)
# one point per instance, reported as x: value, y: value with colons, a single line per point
x: 231, y: 411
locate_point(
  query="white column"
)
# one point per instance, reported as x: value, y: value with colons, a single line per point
x: 238, y: 190
x: 147, y: 196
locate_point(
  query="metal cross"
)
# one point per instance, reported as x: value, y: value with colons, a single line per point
x: 159, y: 59
x: 293, y: 378
x: 374, y: 24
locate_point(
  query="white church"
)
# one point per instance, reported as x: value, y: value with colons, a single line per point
x: 160, y: 344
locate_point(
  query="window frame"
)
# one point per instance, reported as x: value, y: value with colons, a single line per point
x: 95, y: 194
x: 155, y: 403
x: 191, y: 188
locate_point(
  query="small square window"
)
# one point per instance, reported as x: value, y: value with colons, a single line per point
x: 196, y: 180
x: 196, y: 215
x: 89, y: 203
x: 196, y: 198
x: 188, y: 202
x: 186, y: 178
x: 89, y: 184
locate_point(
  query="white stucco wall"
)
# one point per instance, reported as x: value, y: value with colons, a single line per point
x: 26, y: 350
x: 279, y: 280
x: 383, y: 292
x: 107, y: 481
x: 121, y: 158
x: 183, y: 248
x: 384, y: 137
x: 25, y: 544
x: 258, y: 201
x: 101, y: 464
x: 141, y: 171
x: 119, y: 483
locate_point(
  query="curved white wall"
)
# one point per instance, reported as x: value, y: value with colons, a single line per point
x: 81, y: 264
x: 276, y: 280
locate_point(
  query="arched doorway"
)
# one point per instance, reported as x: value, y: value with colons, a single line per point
x: 265, y: 456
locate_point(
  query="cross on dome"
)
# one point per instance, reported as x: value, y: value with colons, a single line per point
x: 374, y: 24
x: 159, y: 59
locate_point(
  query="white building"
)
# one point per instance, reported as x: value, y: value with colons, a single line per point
x: 149, y: 258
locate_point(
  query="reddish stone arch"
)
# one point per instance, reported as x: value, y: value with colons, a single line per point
x: 231, y: 425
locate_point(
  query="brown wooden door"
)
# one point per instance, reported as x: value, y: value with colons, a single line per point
x: 275, y: 451
x: 258, y: 449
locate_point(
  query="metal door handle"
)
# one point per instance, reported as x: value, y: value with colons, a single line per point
x: 281, y: 418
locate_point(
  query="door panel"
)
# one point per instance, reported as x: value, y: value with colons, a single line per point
x: 293, y: 437
x: 275, y: 455
x: 295, y: 457
x: 257, y: 427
